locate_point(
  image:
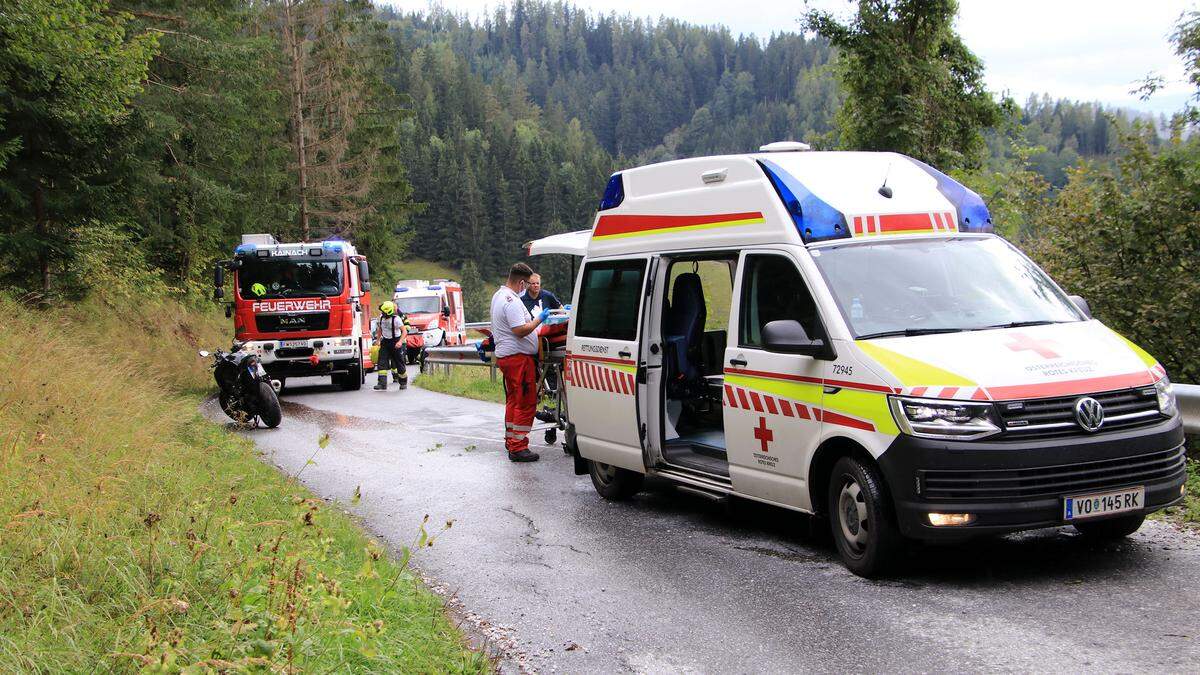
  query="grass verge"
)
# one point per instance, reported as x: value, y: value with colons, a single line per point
x: 466, y: 381
x: 136, y: 535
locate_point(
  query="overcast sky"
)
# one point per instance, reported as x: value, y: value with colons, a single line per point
x: 1093, y: 50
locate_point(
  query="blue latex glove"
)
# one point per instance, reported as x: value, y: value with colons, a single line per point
x: 482, y: 354
x: 543, y: 315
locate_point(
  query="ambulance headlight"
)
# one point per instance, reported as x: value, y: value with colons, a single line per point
x: 933, y: 418
x: 1166, y: 397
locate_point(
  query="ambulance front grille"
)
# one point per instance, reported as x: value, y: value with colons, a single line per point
x: 1043, y: 417
x: 1052, y: 481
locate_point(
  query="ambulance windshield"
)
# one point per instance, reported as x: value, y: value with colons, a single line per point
x: 418, y: 305
x: 260, y: 278
x: 914, y: 287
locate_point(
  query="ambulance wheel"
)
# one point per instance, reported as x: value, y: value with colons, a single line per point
x: 613, y: 482
x: 860, y: 516
x: 1110, y: 528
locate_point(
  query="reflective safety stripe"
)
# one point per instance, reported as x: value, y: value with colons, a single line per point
x: 522, y: 427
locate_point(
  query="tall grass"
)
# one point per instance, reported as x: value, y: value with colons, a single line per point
x: 135, y: 535
x: 466, y: 381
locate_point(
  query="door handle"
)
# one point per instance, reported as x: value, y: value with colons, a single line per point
x: 625, y: 353
x: 737, y: 362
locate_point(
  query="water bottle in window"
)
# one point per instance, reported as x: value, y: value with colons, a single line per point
x: 856, y: 310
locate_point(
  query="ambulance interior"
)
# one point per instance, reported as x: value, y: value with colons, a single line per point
x: 694, y: 329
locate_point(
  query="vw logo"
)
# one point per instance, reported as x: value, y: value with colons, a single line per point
x: 1089, y: 413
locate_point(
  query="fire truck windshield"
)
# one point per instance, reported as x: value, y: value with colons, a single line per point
x: 260, y: 278
x: 428, y: 304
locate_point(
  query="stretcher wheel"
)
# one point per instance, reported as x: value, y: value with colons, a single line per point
x: 551, y: 435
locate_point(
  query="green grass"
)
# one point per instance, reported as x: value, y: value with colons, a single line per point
x: 1188, y: 513
x: 466, y: 381
x: 136, y: 535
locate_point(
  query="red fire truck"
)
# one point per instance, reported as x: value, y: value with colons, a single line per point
x: 303, y: 308
x: 434, y: 311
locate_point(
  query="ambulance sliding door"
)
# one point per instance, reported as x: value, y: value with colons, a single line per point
x: 603, y: 361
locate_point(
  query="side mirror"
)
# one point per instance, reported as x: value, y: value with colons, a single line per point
x: 445, y: 311
x: 218, y: 282
x: 364, y: 275
x: 789, y: 337
x: 1082, y: 305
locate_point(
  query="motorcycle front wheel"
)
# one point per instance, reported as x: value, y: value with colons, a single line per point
x: 268, y: 405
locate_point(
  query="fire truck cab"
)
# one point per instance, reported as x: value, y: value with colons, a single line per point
x: 434, y: 311
x: 303, y: 308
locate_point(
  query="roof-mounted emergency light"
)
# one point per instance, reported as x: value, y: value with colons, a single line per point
x: 973, y: 215
x: 785, y: 146
x: 244, y: 249
x: 814, y: 219
x: 401, y: 289
x: 329, y: 245
x: 614, y: 193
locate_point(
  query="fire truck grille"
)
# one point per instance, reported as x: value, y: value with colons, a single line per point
x: 286, y: 323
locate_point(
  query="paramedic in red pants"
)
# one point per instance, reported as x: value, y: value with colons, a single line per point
x: 515, y: 333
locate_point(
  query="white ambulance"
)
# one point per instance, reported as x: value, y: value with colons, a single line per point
x: 841, y: 333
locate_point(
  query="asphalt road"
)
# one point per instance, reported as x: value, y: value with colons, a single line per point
x: 553, y: 578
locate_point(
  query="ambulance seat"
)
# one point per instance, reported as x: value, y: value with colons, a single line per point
x: 683, y: 330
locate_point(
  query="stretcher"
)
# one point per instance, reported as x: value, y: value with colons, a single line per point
x: 552, y: 352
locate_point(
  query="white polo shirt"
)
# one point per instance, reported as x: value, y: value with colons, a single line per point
x: 508, y: 312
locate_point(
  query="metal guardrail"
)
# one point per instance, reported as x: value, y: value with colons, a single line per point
x: 1187, y: 395
x: 456, y: 355
x: 1188, y: 398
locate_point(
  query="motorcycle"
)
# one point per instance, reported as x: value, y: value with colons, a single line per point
x: 247, y: 394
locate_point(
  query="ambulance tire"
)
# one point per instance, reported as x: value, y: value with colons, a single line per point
x: 1110, y: 528
x: 861, y: 519
x: 270, y: 412
x: 614, y: 483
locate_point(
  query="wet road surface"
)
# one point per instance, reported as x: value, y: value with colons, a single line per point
x: 553, y: 578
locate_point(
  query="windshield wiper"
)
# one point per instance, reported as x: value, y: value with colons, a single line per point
x: 1021, y: 324
x: 909, y: 332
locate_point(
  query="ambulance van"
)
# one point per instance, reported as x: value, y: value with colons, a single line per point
x: 842, y: 334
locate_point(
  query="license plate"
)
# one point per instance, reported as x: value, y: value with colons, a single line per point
x: 1104, y: 503
x: 293, y: 343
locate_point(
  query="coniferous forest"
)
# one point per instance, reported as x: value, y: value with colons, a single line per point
x: 140, y: 138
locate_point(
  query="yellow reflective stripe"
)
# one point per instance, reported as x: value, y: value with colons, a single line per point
x: 910, y: 371
x: 866, y: 405
x: 804, y: 392
x: 1150, y: 361
x: 627, y: 369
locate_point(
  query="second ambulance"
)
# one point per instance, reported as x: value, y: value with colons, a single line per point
x: 841, y: 333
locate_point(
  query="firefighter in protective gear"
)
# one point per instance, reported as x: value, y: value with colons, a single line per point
x: 389, y: 330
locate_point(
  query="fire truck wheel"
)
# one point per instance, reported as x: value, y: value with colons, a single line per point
x: 351, y: 381
x: 270, y: 414
x: 614, y: 483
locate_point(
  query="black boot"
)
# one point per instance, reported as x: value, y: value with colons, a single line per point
x: 381, y: 385
x: 403, y: 381
x: 523, y: 456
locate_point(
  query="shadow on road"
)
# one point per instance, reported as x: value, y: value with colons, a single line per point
x: 1052, y: 556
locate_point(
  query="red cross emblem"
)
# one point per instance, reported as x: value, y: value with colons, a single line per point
x: 763, y: 434
x: 1022, y: 342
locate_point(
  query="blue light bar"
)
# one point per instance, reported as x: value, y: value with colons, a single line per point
x: 434, y: 288
x: 243, y: 249
x: 401, y: 289
x: 815, y: 219
x: 614, y: 193
x: 335, y: 246
x: 973, y: 215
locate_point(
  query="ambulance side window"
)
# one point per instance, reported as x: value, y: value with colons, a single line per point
x: 610, y: 299
x: 773, y: 289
